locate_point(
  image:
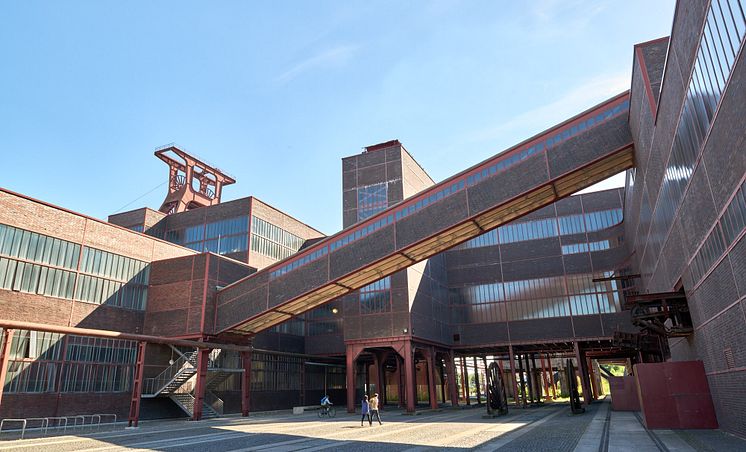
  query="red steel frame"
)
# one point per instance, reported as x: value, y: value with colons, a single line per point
x: 246, y: 383
x: 203, y: 358
x: 451, y: 369
x: 5, y: 342
x: 134, y: 416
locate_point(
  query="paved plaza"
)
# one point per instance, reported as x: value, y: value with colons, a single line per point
x: 550, y: 427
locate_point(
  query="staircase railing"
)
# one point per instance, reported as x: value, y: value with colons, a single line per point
x: 213, y: 401
x: 153, y: 386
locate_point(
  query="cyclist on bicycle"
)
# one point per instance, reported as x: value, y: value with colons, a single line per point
x: 325, y: 402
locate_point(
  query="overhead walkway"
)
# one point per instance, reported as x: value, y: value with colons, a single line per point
x: 571, y: 156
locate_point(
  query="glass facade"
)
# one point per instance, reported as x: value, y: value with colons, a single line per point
x: 371, y: 199
x: 273, y: 241
x: 575, y: 248
x: 51, y: 362
x: 220, y: 237
x: 537, y: 298
x: 722, y: 37
x: 545, y: 228
x: 732, y: 223
x: 295, y: 326
x: 323, y: 321
x: 39, y: 264
x: 36, y: 263
x: 111, y: 279
x: 734, y: 218
x: 376, y: 297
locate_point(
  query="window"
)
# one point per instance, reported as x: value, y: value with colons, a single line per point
x: 371, y: 199
x: 273, y: 241
x: 111, y: 279
x: 376, y: 297
x: 91, y: 364
x: 534, y: 299
x: 220, y: 237
x: 721, y: 39
x: 575, y: 248
x: 545, y: 228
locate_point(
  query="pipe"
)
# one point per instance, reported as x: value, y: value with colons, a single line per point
x: 17, y: 325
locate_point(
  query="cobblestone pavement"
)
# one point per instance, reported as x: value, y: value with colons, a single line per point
x: 550, y: 427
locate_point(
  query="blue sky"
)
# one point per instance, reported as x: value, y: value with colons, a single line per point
x: 276, y: 93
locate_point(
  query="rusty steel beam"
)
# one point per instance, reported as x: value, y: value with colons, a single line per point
x: 17, y: 325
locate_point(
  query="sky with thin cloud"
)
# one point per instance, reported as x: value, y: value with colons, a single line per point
x: 276, y: 93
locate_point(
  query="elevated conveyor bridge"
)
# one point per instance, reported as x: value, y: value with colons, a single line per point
x: 571, y: 156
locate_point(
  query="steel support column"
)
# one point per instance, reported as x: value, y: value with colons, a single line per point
x: 582, y: 371
x: 377, y: 374
x: 134, y: 416
x: 592, y: 377
x: 515, y: 378
x: 350, y: 374
x: 551, y: 377
x: 410, y: 376
x: 545, y: 378
x: 430, y: 356
x: 203, y: 358
x: 441, y: 372
x: 451, y: 369
x: 530, y: 378
x: 476, y: 381
x: 245, y: 383
x: 400, y: 379
x: 7, y: 340
x: 465, y: 376
x: 521, y: 383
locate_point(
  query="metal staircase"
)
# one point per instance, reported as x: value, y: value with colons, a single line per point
x: 185, y: 401
x: 168, y: 382
x: 172, y: 378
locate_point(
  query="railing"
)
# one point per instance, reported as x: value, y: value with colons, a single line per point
x: 14, y: 421
x: 213, y: 401
x: 154, y: 385
x: 58, y: 423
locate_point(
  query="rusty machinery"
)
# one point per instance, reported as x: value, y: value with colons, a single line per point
x: 497, y: 399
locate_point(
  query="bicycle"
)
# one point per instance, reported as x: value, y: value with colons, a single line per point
x: 328, y: 411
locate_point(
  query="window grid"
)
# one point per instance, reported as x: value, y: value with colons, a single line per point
x: 732, y: 223
x: 90, y: 365
x: 111, y: 279
x: 545, y: 228
x: 376, y: 297
x: 721, y: 40
x: 534, y: 299
x: 273, y: 241
x: 220, y: 237
x: 371, y: 199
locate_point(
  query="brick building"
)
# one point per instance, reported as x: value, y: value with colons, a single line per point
x: 428, y: 282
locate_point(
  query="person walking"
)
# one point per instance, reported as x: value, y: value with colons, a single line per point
x: 366, y: 412
x: 374, y: 409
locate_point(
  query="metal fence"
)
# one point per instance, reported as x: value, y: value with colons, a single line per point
x: 56, y: 424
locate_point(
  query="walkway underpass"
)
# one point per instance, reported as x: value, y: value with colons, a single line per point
x: 554, y: 164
